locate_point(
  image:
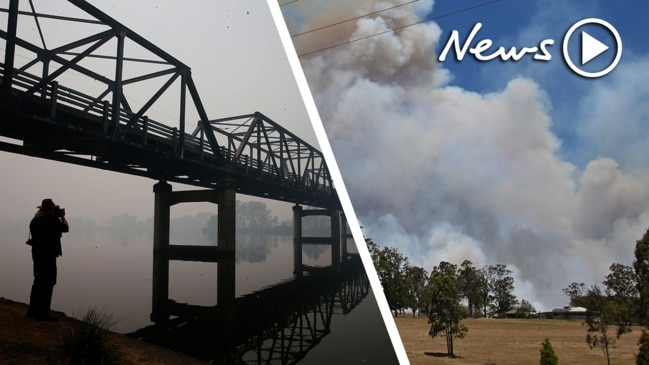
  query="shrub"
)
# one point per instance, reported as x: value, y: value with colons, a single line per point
x: 642, y: 358
x: 548, y: 357
x: 87, y: 342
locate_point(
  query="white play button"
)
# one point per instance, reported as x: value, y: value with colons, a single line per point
x: 590, y: 48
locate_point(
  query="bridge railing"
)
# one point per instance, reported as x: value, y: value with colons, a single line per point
x: 57, y: 95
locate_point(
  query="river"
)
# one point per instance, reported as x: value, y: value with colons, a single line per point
x: 113, y: 273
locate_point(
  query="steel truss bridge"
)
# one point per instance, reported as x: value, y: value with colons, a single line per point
x: 46, y: 112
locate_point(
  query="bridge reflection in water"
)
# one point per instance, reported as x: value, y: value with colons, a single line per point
x: 278, y: 324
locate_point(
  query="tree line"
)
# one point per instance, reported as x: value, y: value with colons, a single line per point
x: 450, y: 293
x: 440, y: 294
x: 486, y: 291
x: 252, y: 217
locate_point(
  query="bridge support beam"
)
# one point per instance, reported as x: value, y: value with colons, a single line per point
x: 226, y: 247
x: 337, y: 239
x: 298, y: 267
x: 224, y: 254
x: 10, y: 46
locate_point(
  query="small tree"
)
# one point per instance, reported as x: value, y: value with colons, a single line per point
x: 548, y: 356
x: 642, y: 358
x: 445, y: 310
x: 602, y: 314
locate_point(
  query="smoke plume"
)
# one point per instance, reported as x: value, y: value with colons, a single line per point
x: 443, y: 173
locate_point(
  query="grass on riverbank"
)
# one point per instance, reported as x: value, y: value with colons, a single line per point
x: 24, y: 341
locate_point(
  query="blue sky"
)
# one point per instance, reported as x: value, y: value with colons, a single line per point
x: 525, y: 23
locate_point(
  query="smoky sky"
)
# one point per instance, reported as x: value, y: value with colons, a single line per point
x: 238, y: 65
x: 445, y: 173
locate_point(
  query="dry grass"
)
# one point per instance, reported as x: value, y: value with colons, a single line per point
x: 25, y: 341
x: 511, y: 341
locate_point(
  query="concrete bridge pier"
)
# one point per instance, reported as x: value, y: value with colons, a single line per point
x: 161, y: 217
x: 223, y: 254
x: 337, y: 239
x: 344, y: 236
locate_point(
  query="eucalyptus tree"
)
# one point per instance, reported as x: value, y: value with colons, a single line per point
x: 391, y: 267
x: 502, y: 286
x: 641, y: 269
x: 575, y: 291
x: 446, y: 312
x: 621, y: 284
x: 416, y: 281
x: 471, y: 285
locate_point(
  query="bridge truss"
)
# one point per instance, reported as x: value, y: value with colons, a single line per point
x: 85, y: 97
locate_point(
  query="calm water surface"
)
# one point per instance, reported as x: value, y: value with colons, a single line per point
x: 114, y: 273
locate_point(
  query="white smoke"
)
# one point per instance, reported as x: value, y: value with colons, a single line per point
x: 443, y: 173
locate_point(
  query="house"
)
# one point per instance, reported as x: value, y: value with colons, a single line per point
x: 569, y: 312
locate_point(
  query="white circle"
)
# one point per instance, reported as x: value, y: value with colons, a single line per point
x: 618, y: 42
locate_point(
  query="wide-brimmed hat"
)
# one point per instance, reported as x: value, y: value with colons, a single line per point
x: 47, y: 204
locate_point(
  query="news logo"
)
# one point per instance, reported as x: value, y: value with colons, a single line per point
x: 591, y: 50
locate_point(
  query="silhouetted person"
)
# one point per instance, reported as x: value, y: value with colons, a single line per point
x: 46, y: 228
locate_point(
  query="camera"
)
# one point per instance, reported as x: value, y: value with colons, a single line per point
x: 60, y: 212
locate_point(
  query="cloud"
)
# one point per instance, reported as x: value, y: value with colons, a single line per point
x: 443, y: 173
x: 606, y: 197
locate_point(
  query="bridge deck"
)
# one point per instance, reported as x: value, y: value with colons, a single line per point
x: 57, y: 128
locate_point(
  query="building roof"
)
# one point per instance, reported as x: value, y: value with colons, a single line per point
x: 569, y: 310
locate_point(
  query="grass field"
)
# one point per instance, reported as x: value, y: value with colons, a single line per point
x: 511, y: 341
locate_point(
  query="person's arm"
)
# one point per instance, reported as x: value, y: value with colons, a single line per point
x: 65, y: 227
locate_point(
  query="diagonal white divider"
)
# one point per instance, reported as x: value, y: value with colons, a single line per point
x: 325, y: 147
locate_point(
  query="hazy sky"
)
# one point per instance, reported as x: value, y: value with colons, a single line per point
x: 521, y: 163
x: 239, y: 67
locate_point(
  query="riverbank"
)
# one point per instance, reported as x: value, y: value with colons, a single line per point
x: 26, y: 341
